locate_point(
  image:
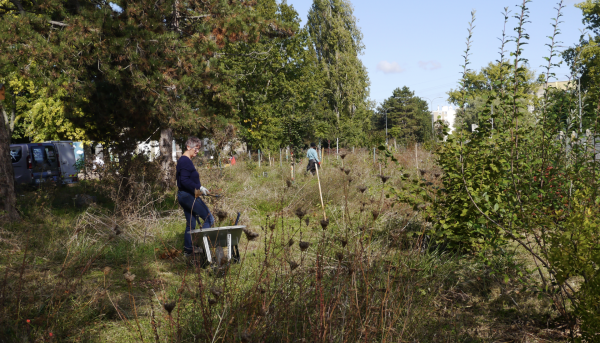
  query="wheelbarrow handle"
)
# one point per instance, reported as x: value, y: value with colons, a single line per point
x: 212, y: 195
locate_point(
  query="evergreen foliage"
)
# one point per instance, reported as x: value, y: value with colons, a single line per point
x: 132, y: 68
x: 408, y: 117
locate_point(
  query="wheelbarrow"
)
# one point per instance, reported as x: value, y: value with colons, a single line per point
x: 215, y: 239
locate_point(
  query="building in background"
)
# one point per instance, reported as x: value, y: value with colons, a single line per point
x: 562, y: 85
x: 447, y: 114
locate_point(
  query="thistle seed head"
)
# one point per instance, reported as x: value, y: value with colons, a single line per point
x: 347, y: 171
x: 423, y: 172
x: 250, y: 235
x: 129, y: 277
x: 169, y: 307
x: 272, y: 226
x: 344, y: 242
x: 293, y: 265
x: 211, y: 301
x: 288, y: 182
x: 324, y: 223
x: 339, y: 256
x: 303, y: 245
x: 375, y: 214
x: 362, y: 188
x: 290, y: 242
x: 343, y: 155
x: 306, y: 220
x: 350, y: 179
x: 384, y: 178
x: 221, y: 215
x: 300, y: 213
x: 436, y: 175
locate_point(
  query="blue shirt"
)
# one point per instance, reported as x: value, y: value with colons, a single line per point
x: 187, y: 176
x: 312, y: 155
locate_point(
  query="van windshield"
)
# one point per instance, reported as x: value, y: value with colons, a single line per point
x: 16, y: 153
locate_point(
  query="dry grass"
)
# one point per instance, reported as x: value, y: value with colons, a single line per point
x: 93, y: 275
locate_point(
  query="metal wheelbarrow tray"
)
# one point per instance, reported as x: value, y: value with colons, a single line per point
x: 224, y: 236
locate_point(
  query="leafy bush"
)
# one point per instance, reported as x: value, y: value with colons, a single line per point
x: 518, y: 180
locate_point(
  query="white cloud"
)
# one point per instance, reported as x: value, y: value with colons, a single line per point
x: 389, y: 68
x: 430, y: 65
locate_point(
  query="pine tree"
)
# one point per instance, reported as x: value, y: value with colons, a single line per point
x: 408, y: 117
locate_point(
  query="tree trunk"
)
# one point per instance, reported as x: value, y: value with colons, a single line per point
x: 166, y: 156
x: 7, y: 178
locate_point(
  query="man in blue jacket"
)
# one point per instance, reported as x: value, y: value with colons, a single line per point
x: 313, y: 159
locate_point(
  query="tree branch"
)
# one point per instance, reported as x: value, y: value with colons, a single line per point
x: 57, y: 23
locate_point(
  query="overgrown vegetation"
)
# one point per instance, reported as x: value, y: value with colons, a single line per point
x: 490, y: 234
x: 368, y: 273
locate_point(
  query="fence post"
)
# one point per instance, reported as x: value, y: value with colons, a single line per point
x: 280, y: 163
x: 374, y: 155
x: 416, y: 156
x: 259, y: 158
x: 337, y: 148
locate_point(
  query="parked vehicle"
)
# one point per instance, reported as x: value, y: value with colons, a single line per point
x: 35, y: 163
x: 66, y: 158
x: 21, y: 162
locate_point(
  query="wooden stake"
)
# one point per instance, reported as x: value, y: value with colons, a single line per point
x: 322, y: 157
x: 321, y: 193
x: 416, y: 157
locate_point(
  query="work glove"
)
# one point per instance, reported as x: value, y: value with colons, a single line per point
x: 204, y: 190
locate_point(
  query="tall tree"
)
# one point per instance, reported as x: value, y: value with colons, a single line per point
x: 406, y: 116
x: 277, y: 82
x: 337, y: 42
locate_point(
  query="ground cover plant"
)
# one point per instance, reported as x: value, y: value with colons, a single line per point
x: 367, y: 273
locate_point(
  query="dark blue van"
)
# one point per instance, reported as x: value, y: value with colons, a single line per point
x: 35, y: 163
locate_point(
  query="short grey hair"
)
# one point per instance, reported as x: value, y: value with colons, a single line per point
x: 193, y: 142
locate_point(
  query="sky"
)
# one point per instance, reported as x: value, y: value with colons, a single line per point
x: 420, y: 44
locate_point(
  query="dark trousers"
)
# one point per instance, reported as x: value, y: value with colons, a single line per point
x: 194, y: 209
x: 312, y: 166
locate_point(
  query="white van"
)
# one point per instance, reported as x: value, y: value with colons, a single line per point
x: 66, y: 159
